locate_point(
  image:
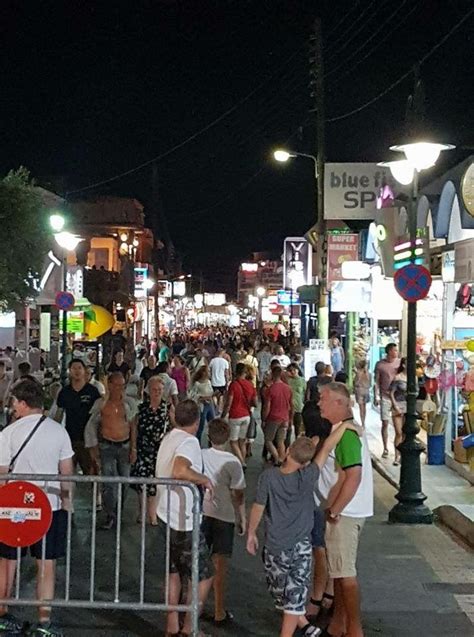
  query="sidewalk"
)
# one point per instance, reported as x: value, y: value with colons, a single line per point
x: 448, y: 494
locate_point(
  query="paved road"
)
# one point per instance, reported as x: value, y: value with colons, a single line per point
x: 412, y: 580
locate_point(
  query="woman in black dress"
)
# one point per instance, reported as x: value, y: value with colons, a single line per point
x: 153, y: 423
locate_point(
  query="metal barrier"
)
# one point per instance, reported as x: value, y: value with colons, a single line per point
x: 91, y: 601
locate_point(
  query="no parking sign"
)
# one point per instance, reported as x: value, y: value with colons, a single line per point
x: 412, y: 282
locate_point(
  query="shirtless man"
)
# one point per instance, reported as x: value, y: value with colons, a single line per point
x: 111, y: 437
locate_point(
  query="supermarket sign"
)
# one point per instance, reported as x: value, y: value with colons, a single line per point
x: 341, y: 247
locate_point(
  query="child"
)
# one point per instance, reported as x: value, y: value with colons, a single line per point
x: 285, y: 495
x: 222, y: 508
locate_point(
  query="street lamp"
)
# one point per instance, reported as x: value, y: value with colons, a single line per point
x: 411, y: 507
x: 68, y: 242
x: 260, y: 291
x: 283, y: 156
x: 148, y: 284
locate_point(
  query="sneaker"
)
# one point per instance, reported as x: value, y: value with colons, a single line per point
x: 46, y: 630
x: 310, y: 631
x: 9, y: 623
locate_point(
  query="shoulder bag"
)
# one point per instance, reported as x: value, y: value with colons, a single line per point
x: 25, y: 442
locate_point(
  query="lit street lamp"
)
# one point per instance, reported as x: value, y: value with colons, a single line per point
x: 68, y: 242
x: 283, y: 156
x: 411, y: 507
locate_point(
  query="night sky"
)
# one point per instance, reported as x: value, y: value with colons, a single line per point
x: 93, y: 89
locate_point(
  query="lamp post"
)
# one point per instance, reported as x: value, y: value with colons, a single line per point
x: 283, y: 156
x: 411, y: 507
x: 68, y: 242
x: 148, y: 285
x: 260, y: 292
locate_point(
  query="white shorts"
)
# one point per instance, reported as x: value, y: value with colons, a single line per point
x: 386, y: 409
x: 239, y: 428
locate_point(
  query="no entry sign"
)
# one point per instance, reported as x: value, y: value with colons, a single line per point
x: 65, y: 301
x: 25, y: 514
x: 412, y: 282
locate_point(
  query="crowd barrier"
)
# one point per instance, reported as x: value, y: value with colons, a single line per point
x: 84, y: 489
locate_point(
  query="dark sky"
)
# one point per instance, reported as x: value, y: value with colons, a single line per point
x: 92, y: 89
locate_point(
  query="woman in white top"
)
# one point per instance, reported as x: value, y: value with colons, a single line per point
x: 203, y: 393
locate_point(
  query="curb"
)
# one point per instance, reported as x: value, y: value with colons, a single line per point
x: 448, y: 515
x: 381, y: 470
x: 455, y: 520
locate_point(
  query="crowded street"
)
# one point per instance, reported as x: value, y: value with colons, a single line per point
x: 237, y: 319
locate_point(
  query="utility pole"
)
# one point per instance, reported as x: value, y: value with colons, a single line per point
x: 317, y: 94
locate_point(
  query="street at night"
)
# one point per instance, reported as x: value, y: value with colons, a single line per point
x: 237, y: 318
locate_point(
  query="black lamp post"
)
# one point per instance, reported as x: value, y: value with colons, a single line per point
x: 420, y: 154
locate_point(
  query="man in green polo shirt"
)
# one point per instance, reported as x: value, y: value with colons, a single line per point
x: 349, y: 501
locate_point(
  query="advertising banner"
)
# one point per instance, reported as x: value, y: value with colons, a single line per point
x: 351, y: 190
x: 340, y: 247
x: 297, y: 262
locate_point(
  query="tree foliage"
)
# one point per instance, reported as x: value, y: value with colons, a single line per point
x: 25, y: 238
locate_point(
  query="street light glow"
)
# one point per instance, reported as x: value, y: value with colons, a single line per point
x: 422, y: 155
x: 281, y: 155
x: 148, y: 284
x: 402, y: 170
x: 67, y: 240
x: 261, y: 291
x: 56, y: 221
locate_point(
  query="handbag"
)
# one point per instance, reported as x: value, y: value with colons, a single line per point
x: 252, y: 428
x: 25, y: 442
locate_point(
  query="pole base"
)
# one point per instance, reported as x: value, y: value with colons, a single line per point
x: 410, y: 514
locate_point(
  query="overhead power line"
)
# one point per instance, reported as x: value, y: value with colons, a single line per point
x: 380, y: 41
x: 349, y: 31
x: 364, y: 44
x: 192, y: 137
x: 405, y: 75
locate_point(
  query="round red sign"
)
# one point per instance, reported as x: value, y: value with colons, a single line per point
x: 25, y: 514
x: 412, y: 282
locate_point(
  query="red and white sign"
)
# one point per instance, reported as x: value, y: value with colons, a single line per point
x: 25, y: 514
x: 340, y: 247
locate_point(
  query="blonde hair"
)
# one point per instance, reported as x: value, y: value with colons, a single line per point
x: 155, y: 379
x: 302, y: 450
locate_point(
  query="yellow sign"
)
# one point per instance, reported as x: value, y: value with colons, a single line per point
x: 457, y: 345
x: 97, y: 321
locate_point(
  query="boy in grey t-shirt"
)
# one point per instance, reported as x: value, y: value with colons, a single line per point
x: 285, y: 497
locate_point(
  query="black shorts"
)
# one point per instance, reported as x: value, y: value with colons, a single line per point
x: 219, y: 535
x: 219, y: 390
x: 55, y: 541
x: 181, y: 553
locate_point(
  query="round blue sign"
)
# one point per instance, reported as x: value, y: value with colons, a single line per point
x: 65, y: 301
x: 412, y: 282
